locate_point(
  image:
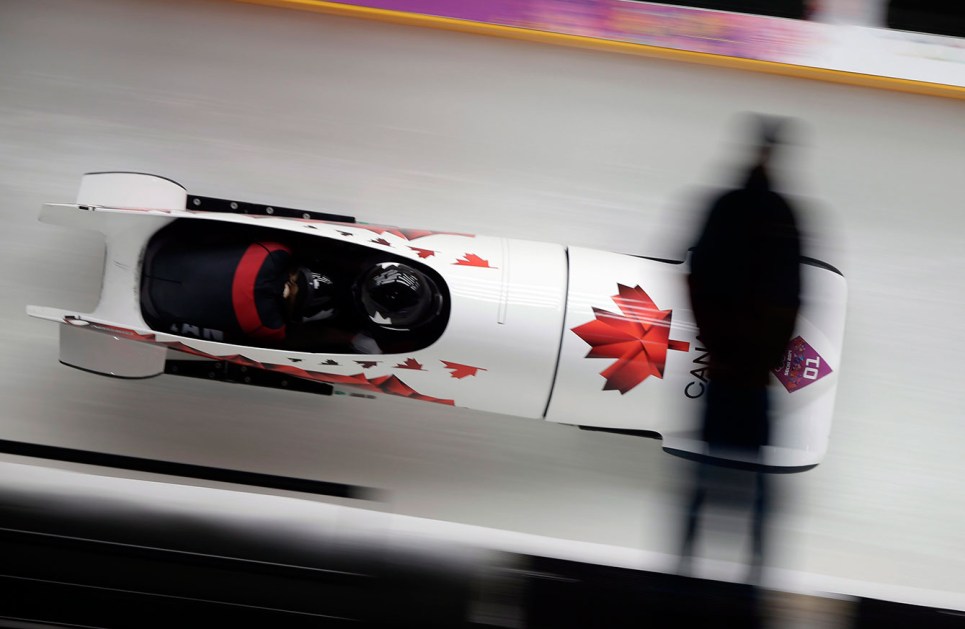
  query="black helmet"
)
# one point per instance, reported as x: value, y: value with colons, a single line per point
x: 316, y: 298
x: 396, y: 296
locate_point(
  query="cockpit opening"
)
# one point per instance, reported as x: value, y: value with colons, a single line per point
x: 261, y: 287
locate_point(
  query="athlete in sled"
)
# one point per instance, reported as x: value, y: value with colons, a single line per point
x: 249, y: 288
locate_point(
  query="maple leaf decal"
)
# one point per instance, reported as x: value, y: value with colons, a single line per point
x: 384, y: 384
x: 415, y: 234
x: 460, y: 371
x: 367, y: 364
x: 638, y: 338
x: 393, y: 386
x: 423, y: 253
x: 346, y: 234
x: 410, y: 363
x: 399, y: 232
x: 471, y: 259
x: 381, y: 241
x: 330, y: 362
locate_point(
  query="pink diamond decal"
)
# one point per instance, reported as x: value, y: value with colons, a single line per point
x: 802, y: 366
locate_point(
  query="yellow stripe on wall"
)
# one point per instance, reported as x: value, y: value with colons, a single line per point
x: 606, y: 45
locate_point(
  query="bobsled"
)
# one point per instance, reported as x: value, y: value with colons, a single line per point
x: 310, y: 301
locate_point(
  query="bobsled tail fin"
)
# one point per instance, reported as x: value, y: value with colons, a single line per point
x: 128, y: 208
x: 131, y: 190
x: 107, y: 202
x: 102, y: 349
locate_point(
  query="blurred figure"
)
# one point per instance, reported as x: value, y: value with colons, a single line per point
x: 745, y: 292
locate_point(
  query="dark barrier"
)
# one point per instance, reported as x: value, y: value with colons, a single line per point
x: 83, y: 558
x: 875, y: 614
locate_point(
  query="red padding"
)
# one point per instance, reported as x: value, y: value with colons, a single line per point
x: 243, y: 291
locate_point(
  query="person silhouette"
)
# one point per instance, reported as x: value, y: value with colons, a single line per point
x: 744, y: 285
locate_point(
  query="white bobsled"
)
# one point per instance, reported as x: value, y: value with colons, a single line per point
x: 571, y: 335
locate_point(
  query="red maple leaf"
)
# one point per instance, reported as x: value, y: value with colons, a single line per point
x: 423, y: 253
x: 110, y: 329
x: 244, y: 360
x: 393, y: 386
x: 381, y: 241
x: 461, y: 371
x: 638, y: 338
x: 415, y: 234
x: 410, y: 363
x: 404, y: 233
x: 181, y: 347
x: 357, y: 380
x: 471, y: 259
